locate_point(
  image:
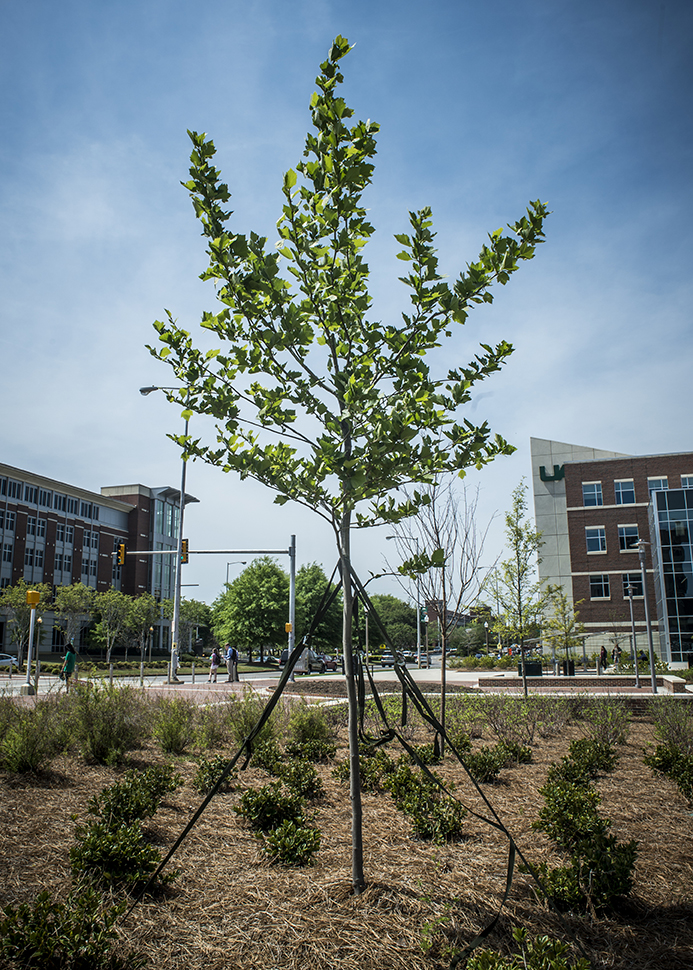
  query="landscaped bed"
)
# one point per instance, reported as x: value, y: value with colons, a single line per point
x: 230, y: 908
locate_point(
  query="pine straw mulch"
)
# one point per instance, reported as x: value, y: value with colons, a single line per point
x: 229, y: 909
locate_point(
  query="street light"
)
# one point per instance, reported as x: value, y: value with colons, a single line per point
x: 236, y: 562
x: 418, y: 599
x: 144, y: 391
x: 630, y: 592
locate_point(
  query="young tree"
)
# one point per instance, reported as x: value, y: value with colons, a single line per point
x: 113, y: 609
x: 561, y: 625
x: 443, y: 547
x: 399, y: 619
x: 13, y: 604
x: 143, y: 614
x: 73, y: 605
x: 195, y: 620
x: 252, y: 610
x: 312, y: 398
x: 520, y: 596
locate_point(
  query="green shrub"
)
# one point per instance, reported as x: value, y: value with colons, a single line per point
x: 76, y: 935
x: 375, y: 764
x: 541, y: 953
x: 291, y: 844
x: 266, y: 755
x: 600, y: 870
x: 485, y: 764
x: 607, y: 719
x: 209, y: 770
x: 676, y: 765
x: 109, y: 721
x: 307, y: 722
x: 137, y: 796
x: 300, y: 777
x: 314, y: 750
x: 512, y: 753
x: 570, y: 813
x: 434, y: 816
x: 673, y: 723
x: 427, y: 754
x: 174, y: 724
x: 28, y: 743
x: 114, y: 855
x: 244, y: 712
x: 212, y: 726
x: 267, y: 807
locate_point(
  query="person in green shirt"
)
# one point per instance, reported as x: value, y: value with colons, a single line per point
x: 69, y: 666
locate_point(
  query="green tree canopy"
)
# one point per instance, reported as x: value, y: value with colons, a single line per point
x: 113, y: 609
x: 73, y: 605
x: 399, y: 619
x: 312, y: 396
x: 252, y: 611
x: 13, y: 604
x: 311, y: 583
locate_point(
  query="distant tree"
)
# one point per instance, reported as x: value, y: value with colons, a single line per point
x: 113, y: 609
x: 350, y: 405
x: 195, y: 621
x: 560, y: 624
x: 519, y: 594
x: 252, y: 611
x: 74, y: 605
x: 13, y: 604
x: 311, y: 583
x: 143, y: 614
x: 399, y: 619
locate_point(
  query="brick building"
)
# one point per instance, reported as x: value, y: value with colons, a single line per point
x: 592, y: 506
x: 60, y: 534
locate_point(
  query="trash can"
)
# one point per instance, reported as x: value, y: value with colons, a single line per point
x: 533, y: 668
x: 568, y: 668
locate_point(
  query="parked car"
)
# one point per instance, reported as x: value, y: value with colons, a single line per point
x: 331, y: 663
x: 6, y: 660
x: 387, y: 660
x: 306, y: 663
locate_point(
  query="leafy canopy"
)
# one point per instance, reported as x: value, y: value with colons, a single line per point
x: 353, y: 409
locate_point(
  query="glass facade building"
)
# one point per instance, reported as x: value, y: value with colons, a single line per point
x: 671, y: 530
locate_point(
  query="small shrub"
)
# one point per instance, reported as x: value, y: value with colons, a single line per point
x: 427, y: 754
x: 114, y: 855
x: 314, y: 750
x: 76, y: 935
x: 209, y: 770
x: 512, y: 753
x: 244, y: 712
x: 28, y: 744
x: 673, y: 723
x: 570, y: 813
x: 137, y: 796
x: 485, y: 764
x: 607, y: 719
x: 300, y: 777
x: 600, y: 870
x: 291, y: 844
x: 267, y: 807
x: 174, y: 724
x: 554, y: 716
x: 307, y: 722
x: 266, y: 755
x: 109, y: 721
x: 541, y: 953
x: 438, y: 819
x: 375, y: 764
x: 212, y: 727
x: 675, y: 765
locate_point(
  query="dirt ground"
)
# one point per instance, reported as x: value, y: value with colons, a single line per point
x: 230, y: 909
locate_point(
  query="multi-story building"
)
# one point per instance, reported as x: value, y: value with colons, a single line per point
x: 60, y: 534
x: 592, y: 508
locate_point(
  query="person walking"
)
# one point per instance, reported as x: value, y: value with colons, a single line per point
x: 603, y: 659
x: 68, y: 666
x: 231, y: 658
x: 215, y: 662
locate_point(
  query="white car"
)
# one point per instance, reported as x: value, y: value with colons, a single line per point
x: 8, y: 661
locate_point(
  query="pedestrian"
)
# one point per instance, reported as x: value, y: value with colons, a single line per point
x: 617, y: 651
x: 603, y: 659
x: 231, y: 658
x: 215, y: 662
x: 68, y: 666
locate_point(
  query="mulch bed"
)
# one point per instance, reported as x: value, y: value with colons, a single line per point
x: 229, y: 909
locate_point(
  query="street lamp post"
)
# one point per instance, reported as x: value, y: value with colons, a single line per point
x: 175, y: 623
x: 632, y: 626
x: 236, y: 562
x: 641, y: 554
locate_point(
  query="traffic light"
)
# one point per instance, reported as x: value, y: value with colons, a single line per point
x: 184, y: 551
x: 121, y: 554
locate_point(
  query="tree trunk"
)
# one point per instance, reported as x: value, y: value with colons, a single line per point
x: 357, y: 876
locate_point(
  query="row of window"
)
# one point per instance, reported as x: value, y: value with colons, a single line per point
x: 624, y: 490
x: 166, y: 519
x: 595, y: 538
x: 33, y: 495
x: 65, y: 533
x: 7, y: 520
x: 600, y: 587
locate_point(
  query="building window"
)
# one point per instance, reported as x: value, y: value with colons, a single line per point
x: 7, y: 552
x: 60, y: 533
x: 92, y: 567
x: 38, y: 558
x: 59, y: 502
x: 115, y: 575
x: 69, y: 534
x: 596, y: 539
x: 29, y: 557
x: 72, y: 506
x: 657, y: 484
x: 31, y: 525
x: 41, y: 528
x: 634, y: 580
x: 58, y: 562
x: 30, y: 494
x: 592, y: 493
x: 67, y: 563
x: 85, y: 567
x: 5, y: 582
x: 3, y: 486
x: 9, y: 521
x: 625, y: 492
x: 687, y: 481
x: 45, y: 498
x: 627, y: 537
x: 95, y: 512
x: 599, y: 587
x: 14, y: 489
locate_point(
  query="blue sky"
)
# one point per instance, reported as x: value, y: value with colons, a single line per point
x: 482, y: 107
